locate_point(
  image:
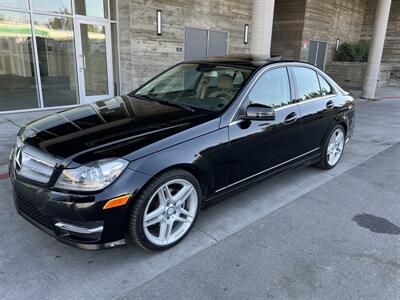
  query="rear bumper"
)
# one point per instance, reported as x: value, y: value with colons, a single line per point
x: 79, y: 220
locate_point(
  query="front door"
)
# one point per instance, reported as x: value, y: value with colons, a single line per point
x: 94, y: 60
x: 260, y: 146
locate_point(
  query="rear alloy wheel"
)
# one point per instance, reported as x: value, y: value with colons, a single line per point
x: 333, y: 148
x: 166, y: 211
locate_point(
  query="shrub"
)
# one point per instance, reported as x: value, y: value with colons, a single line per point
x: 355, y: 52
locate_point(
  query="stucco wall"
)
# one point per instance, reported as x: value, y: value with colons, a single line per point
x: 288, y: 26
x: 391, y: 51
x: 332, y: 19
x: 144, y: 54
x: 348, y: 75
x: 296, y: 21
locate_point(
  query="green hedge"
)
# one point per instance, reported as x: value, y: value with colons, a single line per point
x: 354, y: 52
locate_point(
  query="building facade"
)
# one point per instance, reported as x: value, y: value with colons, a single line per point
x: 58, y: 53
x: 302, y: 25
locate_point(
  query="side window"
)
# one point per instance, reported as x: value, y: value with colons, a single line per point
x: 326, y: 88
x: 307, y: 83
x: 271, y: 89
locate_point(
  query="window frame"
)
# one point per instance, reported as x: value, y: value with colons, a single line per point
x: 233, y: 114
x: 244, y: 102
x: 318, y: 73
x: 333, y: 91
x: 298, y: 96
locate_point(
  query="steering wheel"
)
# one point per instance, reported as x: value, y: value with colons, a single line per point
x: 224, y: 97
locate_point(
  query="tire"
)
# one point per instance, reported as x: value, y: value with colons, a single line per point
x: 326, y: 162
x: 156, y: 220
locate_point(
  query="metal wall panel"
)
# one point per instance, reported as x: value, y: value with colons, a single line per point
x: 217, y: 43
x: 195, y: 43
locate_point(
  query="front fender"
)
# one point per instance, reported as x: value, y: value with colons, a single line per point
x: 156, y: 163
x: 202, y: 154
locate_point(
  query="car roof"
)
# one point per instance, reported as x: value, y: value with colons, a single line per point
x: 252, y: 61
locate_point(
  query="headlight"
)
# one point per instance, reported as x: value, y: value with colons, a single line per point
x: 92, y: 177
x: 19, y: 142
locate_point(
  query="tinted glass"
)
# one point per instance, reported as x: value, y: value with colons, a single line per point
x: 92, y: 8
x: 307, y: 83
x: 114, y: 40
x: 206, y: 87
x: 326, y: 89
x: 94, y: 50
x: 57, y: 6
x: 15, y: 3
x: 55, y: 46
x: 17, y: 72
x: 113, y: 10
x: 271, y: 89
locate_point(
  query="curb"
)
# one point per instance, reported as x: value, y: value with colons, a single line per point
x: 4, y: 176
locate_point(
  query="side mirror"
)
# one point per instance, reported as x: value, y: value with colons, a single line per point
x: 259, y: 112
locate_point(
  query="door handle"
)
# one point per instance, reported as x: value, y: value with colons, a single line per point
x: 291, y: 118
x: 83, y: 62
x: 330, y: 104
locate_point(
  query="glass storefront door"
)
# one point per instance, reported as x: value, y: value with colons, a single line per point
x: 94, y: 60
x: 57, y: 53
x: 17, y: 71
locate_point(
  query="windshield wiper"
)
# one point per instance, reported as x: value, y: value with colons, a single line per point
x: 144, y: 97
x: 183, y: 106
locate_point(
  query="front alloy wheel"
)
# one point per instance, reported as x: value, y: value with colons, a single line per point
x: 165, y: 211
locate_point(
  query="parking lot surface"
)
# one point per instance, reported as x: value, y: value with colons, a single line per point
x: 308, y: 234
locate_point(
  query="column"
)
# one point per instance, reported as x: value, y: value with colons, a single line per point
x: 261, y: 27
x: 376, y: 48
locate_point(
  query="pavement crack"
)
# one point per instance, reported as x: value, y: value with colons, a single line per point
x: 12, y: 122
x: 207, y: 234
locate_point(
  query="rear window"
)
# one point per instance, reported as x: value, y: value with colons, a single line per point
x: 326, y: 88
x: 307, y: 83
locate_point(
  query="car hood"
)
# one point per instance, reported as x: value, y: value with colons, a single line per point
x: 118, y: 127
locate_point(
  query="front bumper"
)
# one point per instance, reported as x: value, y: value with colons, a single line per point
x: 78, y: 219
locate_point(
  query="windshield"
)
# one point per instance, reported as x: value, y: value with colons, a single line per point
x: 196, y: 86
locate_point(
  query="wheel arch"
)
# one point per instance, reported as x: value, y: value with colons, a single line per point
x: 340, y: 120
x: 193, y: 169
x: 195, y: 164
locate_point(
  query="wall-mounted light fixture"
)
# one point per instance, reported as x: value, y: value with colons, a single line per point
x: 246, y: 34
x: 159, y: 22
x: 337, y: 44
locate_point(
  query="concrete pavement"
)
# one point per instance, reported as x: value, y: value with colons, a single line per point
x: 340, y: 241
x: 293, y: 235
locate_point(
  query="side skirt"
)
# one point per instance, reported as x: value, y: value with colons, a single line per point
x: 223, y: 194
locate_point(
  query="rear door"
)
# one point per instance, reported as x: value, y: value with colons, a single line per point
x: 317, y: 107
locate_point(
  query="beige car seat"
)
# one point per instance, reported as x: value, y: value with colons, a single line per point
x: 225, y: 86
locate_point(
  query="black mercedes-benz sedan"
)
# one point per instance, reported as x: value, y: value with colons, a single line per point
x: 143, y: 165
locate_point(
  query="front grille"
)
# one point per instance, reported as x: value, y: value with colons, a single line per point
x: 32, y: 211
x: 34, y: 164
